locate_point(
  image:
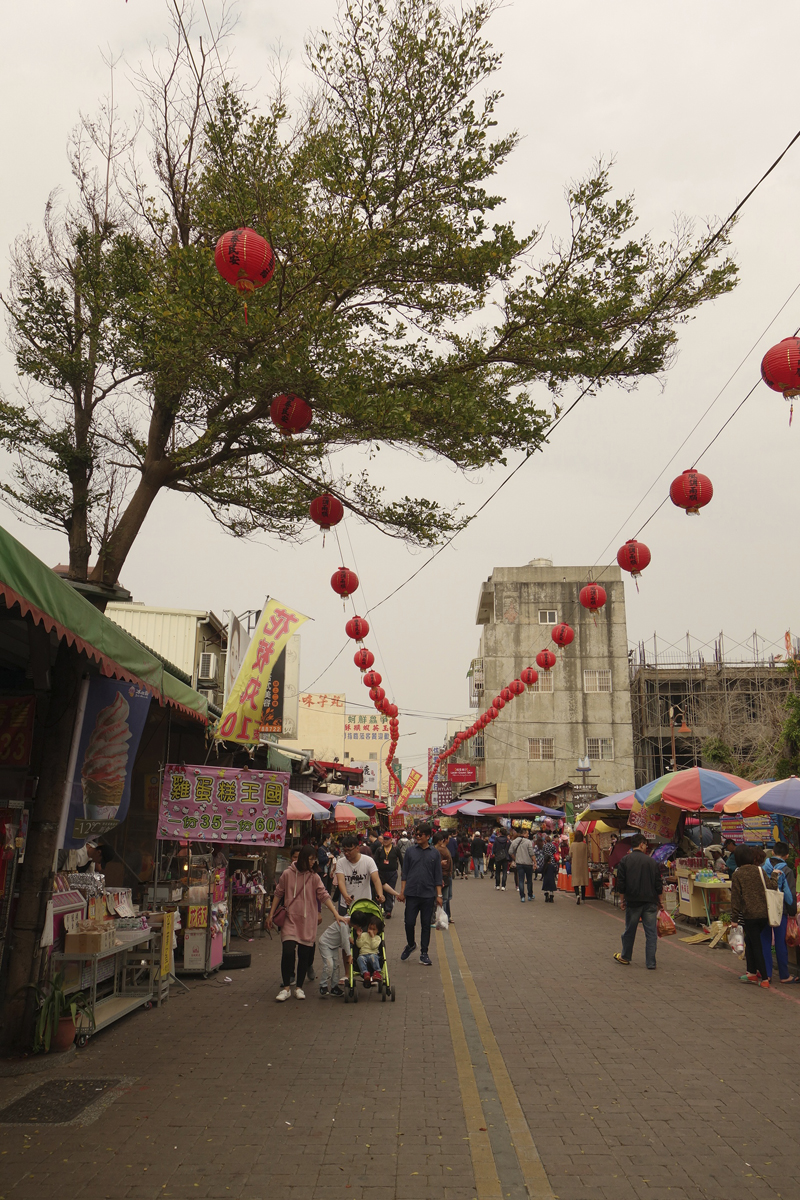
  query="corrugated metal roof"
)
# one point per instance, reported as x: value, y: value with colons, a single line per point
x: 170, y: 632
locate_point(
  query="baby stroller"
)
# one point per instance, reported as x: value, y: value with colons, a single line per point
x: 361, y: 913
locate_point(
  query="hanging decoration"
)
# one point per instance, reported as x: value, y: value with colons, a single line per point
x: 592, y: 597
x: 391, y: 710
x: 357, y: 628
x: 363, y: 659
x: 780, y: 370
x: 344, y: 582
x: 244, y: 260
x: 291, y: 414
x: 372, y: 679
x: 376, y: 694
x: 507, y: 694
x: 498, y: 702
x: 493, y: 713
x: 691, y: 491
x: 634, y: 557
x: 326, y: 510
x: 516, y: 687
x: 529, y: 677
x: 546, y: 660
x: 563, y: 634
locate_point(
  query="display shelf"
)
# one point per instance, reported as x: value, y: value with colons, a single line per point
x: 109, y: 1010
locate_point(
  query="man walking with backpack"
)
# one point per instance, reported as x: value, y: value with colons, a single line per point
x: 522, y: 856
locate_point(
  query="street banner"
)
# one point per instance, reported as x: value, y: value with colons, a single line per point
x: 234, y: 655
x: 411, y: 782
x: 108, y: 742
x: 272, y: 714
x: 251, y: 693
x: 658, y: 821
x: 462, y: 773
x: 223, y: 804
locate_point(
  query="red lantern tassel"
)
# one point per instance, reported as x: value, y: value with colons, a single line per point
x: 245, y: 312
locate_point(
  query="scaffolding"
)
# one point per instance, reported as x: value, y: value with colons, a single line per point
x: 725, y: 689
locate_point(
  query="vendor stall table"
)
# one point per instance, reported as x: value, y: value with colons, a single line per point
x: 714, y: 886
x: 134, y: 967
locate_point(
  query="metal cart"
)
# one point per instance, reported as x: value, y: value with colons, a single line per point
x: 126, y: 974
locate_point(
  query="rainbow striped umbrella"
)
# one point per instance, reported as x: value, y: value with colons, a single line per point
x: 693, y: 790
x: 779, y: 796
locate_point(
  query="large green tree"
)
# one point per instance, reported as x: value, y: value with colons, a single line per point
x: 403, y: 306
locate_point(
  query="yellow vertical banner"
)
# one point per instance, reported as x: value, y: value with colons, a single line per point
x: 242, y: 715
x: 408, y: 787
x: 167, y: 928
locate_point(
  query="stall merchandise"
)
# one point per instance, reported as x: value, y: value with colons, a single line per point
x: 105, y: 948
x: 702, y: 893
x: 203, y: 917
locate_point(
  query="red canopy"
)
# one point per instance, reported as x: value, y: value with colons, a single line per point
x: 517, y: 808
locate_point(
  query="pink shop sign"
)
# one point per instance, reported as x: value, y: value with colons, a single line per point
x: 223, y: 804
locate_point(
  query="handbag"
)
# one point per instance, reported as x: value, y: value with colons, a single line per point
x: 279, y: 919
x: 792, y: 932
x: 774, y: 902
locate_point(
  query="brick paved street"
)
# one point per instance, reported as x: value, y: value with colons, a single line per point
x: 677, y: 1084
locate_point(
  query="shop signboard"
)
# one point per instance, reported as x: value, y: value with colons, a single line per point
x: 397, y: 820
x: 658, y: 822
x: 198, y: 916
x: 685, y: 888
x: 369, y: 780
x: 462, y: 773
x: 411, y: 782
x: 740, y: 829
x: 16, y: 730
x: 252, y: 692
x: 99, y: 789
x: 223, y: 804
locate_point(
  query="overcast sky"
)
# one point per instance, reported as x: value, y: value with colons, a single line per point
x: 693, y: 107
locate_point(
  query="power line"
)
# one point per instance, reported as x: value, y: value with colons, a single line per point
x: 709, y: 243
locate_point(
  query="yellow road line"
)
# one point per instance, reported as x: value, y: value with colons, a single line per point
x: 533, y: 1172
x: 487, y: 1183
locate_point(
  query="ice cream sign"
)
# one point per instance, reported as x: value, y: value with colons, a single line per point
x: 105, y: 746
x: 223, y: 804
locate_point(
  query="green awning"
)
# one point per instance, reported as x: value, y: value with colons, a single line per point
x: 25, y: 580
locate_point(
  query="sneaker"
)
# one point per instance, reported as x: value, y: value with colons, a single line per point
x: 503, y: 888
x: 367, y: 979
x: 764, y: 983
x: 283, y: 994
x: 425, y: 960
x: 337, y: 991
x: 299, y: 994
x: 750, y: 978
x: 377, y: 976
x: 409, y: 950
x: 323, y: 991
x: 310, y: 974
x: 522, y: 899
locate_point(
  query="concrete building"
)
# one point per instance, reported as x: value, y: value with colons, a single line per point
x: 580, y: 708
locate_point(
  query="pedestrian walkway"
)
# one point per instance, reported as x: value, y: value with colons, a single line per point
x: 525, y: 1064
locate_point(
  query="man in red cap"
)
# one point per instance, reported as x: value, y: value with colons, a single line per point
x: 388, y: 861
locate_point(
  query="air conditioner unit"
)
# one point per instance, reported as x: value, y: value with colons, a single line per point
x: 209, y: 694
x: 207, y: 670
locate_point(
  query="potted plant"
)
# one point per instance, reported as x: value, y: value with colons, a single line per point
x: 55, y: 1024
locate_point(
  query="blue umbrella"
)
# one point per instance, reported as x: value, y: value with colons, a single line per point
x: 359, y: 802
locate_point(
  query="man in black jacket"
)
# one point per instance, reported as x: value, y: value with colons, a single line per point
x: 388, y: 860
x: 639, y: 884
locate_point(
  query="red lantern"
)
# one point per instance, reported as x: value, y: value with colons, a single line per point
x: 344, y: 582
x: 493, y: 713
x: 357, y: 628
x: 516, y: 687
x: 780, y: 367
x: 483, y: 721
x: 563, y: 634
x: 592, y: 597
x: 507, y: 694
x: 290, y: 413
x: 371, y: 679
x: 546, y: 660
x: 691, y: 491
x: 244, y: 259
x: 326, y: 511
x: 634, y: 557
x: 363, y: 659
x: 498, y: 702
x: 391, y: 710
x: 529, y: 677
x: 376, y: 694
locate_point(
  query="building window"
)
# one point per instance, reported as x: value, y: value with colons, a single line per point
x: 541, y: 749
x: 478, y: 750
x: 373, y: 758
x: 548, y: 616
x: 597, y: 681
x: 600, y: 749
x: 544, y: 683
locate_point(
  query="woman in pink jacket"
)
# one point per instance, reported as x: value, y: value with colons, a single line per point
x: 300, y: 891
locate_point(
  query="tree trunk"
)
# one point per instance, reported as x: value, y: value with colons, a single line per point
x: 113, y: 554
x: 36, y: 873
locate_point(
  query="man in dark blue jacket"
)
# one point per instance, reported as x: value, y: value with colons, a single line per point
x: 639, y: 884
x: 421, y: 890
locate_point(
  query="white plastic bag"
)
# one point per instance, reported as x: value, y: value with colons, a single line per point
x: 442, y: 921
x: 736, y: 940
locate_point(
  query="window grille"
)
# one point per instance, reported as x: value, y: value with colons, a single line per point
x: 600, y: 749
x: 541, y: 749
x: 597, y: 681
